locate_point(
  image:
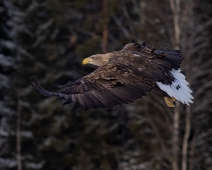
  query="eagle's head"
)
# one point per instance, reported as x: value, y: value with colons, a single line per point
x: 98, y: 59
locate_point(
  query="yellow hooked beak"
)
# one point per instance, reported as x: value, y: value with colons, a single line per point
x: 87, y: 61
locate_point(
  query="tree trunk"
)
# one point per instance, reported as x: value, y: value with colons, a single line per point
x: 175, y: 7
x: 185, y: 139
x: 175, y: 138
x: 105, y: 27
x: 18, y: 137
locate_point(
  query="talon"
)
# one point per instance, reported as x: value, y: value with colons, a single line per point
x: 173, y: 99
x: 170, y: 102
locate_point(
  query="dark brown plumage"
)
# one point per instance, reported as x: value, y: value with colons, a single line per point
x: 122, y: 77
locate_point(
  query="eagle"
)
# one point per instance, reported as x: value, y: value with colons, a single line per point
x: 124, y: 76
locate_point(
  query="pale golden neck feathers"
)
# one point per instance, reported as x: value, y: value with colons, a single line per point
x: 98, y: 59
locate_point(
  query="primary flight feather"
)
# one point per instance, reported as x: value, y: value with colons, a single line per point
x: 126, y: 75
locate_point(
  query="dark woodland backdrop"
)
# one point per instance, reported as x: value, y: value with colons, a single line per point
x: 50, y: 38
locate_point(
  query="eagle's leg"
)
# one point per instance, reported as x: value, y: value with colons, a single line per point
x: 170, y: 101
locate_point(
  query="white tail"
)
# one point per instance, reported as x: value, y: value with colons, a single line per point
x: 179, y: 88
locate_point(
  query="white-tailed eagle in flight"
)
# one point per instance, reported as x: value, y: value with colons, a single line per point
x: 124, y: 76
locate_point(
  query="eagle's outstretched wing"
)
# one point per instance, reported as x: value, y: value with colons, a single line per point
x: 119, y: 82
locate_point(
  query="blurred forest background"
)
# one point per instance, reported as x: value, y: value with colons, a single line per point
x: 50, y: 38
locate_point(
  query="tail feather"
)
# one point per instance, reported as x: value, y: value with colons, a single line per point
x: 179, y: 88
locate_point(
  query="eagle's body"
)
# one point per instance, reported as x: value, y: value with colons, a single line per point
x: 126, y: 75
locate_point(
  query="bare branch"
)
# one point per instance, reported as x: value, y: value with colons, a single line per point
x: 203, y: 88
x: 119, y: 23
